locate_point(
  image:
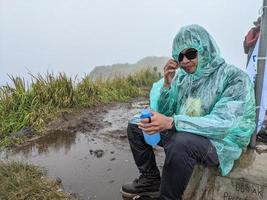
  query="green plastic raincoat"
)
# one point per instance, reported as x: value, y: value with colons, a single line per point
x: 216, y: 101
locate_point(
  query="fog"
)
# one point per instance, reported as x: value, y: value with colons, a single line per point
x: 74, y: 36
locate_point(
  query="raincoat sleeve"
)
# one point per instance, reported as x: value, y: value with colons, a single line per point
x: 162, y: 100
x: 235, y: 106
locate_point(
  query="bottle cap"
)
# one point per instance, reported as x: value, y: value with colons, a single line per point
x: 145, y: 113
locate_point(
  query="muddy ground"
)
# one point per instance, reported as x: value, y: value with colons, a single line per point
x: 88, y: 150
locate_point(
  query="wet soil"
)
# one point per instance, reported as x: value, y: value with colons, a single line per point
x: 87, y: 150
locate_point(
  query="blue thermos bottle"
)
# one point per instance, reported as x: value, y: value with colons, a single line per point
x: 151, y: 139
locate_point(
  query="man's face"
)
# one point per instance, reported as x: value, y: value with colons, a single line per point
x: 188, y: 60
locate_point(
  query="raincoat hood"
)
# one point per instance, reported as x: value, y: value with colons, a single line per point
x: 195, y: 36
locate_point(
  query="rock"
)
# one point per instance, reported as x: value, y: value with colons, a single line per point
x: 262, y: 136
x: 247, y: 181
x: 122, y: 136
x: 99, y: 153
x: 58, y: 180
x: 65, y: 116
x: 261, y: 149
x: 25, y: 131
x: 91, y: 151
x: 60, y: 190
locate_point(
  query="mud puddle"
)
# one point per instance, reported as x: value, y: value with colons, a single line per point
x: 88, y: 151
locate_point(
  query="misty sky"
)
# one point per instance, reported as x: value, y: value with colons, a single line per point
x: 73, y: 36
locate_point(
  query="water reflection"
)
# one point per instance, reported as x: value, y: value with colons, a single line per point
x: 51, y: 142
x: 67, y: 156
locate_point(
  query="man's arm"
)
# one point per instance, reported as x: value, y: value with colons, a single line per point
x: 163, y: 100
x: 167, y: 101
x: 163, y: 94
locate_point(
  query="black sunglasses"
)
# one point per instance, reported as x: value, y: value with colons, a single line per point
x: 190, y: 54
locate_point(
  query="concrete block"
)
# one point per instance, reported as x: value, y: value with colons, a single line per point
x: 247, y: 181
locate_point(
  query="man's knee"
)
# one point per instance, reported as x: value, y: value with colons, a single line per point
x: 182, y: 141
x: 133, y: 131
x: 180, y: 148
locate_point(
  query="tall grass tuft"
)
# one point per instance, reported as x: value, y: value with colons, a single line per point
x: 23, y: 105
x: 21, y: 181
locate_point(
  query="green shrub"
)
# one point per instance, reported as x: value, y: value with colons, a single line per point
x: 21, y: 181
x: 32, y: 105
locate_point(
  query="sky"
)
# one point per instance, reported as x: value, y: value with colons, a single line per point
x: 74, y: 36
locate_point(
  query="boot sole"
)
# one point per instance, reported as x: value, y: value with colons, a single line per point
x: 131, y: 195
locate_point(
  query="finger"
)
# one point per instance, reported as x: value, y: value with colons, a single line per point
x: 146, y: 121
x: 174, y: 62
x: 153, y: 113
x: 148, y: 130
x: 148, y: 127
x: 171, y: 66
x: 153, y: 122
x: 169, y: 72
x: 171, y: 61
x: 141, y: 126
x: 144, y: 125
x: 151, y: 130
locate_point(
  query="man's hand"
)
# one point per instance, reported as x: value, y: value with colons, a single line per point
x: 158, y: 123
x: 169, y: 72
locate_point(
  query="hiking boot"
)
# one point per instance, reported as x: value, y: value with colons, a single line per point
x: 142, y: 186
x: 262, y: 136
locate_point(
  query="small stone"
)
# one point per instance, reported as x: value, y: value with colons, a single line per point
x: 25, y: 131
x: 58, y: 180
x: 91, y: 151
x: 99, y: 153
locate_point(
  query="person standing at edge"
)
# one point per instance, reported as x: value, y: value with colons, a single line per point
x: 204, y: 110
x: 251, y: 38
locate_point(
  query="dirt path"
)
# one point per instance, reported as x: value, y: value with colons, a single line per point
x: 88, y: 150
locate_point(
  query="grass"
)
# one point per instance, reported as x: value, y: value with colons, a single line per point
x: 21, y: 181
x: 33, y: 105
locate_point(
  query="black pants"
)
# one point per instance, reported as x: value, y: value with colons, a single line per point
x: 183, y: 151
